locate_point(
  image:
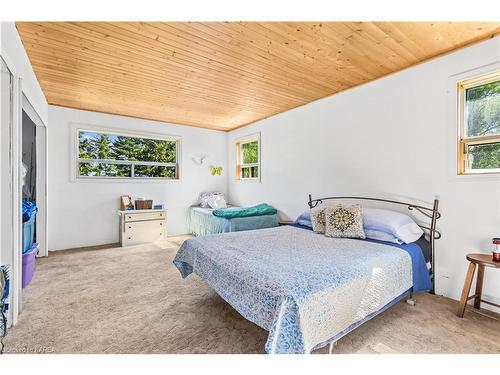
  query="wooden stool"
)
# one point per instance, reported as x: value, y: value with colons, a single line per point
x: 482, y: 260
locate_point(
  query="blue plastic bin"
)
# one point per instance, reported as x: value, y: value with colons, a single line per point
x: 28, y: 233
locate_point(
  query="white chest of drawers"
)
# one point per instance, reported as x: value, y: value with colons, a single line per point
x: 142, y: 226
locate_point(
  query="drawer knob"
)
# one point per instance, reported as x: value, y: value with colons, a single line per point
x: 130, y: 238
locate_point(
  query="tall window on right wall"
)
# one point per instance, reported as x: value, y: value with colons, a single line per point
x: 479, y: 125
x: 248, y: 158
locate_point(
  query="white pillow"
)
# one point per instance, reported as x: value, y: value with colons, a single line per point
x: 373, y: 234
x: 396, y: 223
x: 217, y: 201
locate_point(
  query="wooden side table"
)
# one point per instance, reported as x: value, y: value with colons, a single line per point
x: 482, y: 261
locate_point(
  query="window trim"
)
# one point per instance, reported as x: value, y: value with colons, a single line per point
x: 99, y: 130
x: 463, y: 141
x: 239, y: 166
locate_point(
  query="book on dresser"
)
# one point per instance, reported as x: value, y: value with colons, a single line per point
x: 142, y: 226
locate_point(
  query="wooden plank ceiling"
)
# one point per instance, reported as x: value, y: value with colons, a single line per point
x: 224, y: 75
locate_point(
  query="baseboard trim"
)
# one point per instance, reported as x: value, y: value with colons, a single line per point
x: 86, y: 248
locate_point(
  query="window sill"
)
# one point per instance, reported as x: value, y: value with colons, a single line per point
x: 247, y: 179
x: 478, y: 176
x: 121, y: 180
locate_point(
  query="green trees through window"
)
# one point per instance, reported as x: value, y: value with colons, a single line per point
x: 249, y: 159
x: 482, y: 119
x: 104, y: 154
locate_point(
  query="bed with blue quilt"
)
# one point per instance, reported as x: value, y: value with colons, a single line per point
x: 202, y: 221
x: 307, y: 290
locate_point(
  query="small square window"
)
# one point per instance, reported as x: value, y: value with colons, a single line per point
x: 248, y: 158
x: 479, y: 141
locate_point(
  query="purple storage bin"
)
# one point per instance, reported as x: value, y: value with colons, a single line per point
x: 29, y: 264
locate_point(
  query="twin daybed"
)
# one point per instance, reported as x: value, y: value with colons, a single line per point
x: 202, y: 221
x: 306, y: 289
x: 213, y: 216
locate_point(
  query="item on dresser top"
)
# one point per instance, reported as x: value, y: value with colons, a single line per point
x: 342, y: 221
x: 261, y: 209
x: 143, y: 204
x: 206, y: 196
x: 126, y: 203
x: 158, y: 207
x: 396, y: 223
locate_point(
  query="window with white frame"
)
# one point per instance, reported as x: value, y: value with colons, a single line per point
x: 248, y: 158
x: 479, y: 125
x: 102, y: 154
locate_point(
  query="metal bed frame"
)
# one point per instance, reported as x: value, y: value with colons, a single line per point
x: 430, y: 212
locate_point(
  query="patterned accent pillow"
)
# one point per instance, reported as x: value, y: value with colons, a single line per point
x: 344, y: 221
x: 318, y: 220
x: 205, y: 197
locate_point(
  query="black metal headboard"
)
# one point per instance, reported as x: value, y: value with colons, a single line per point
x: 430, y: 212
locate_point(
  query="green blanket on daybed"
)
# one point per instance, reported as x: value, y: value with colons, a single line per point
x: 257, y: 210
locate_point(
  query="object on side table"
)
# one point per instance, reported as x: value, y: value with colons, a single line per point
x: 482, y: 261
x: 143, y: 204
x: 142, y: 226
x: 158, y: 207
x: 126, y: 203
x: 496, y: 251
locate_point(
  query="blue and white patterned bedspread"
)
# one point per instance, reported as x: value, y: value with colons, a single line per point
x: 302, y: 287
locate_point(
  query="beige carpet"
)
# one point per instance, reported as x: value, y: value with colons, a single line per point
x: 133, y: 300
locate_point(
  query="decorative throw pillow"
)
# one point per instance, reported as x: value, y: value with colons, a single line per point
x: 318, y: 220
x: 217, y: 201
x: 344, y: 221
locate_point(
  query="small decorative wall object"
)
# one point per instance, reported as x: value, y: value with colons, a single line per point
x: 198, y: 159
x: 215, y: 170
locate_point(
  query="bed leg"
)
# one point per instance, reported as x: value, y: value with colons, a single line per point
x: 410, y: 301
x: 330, y: 347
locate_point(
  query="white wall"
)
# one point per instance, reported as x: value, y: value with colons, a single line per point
x: 394, y: 137
x: 84, y: 213
x: 13, y: 52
